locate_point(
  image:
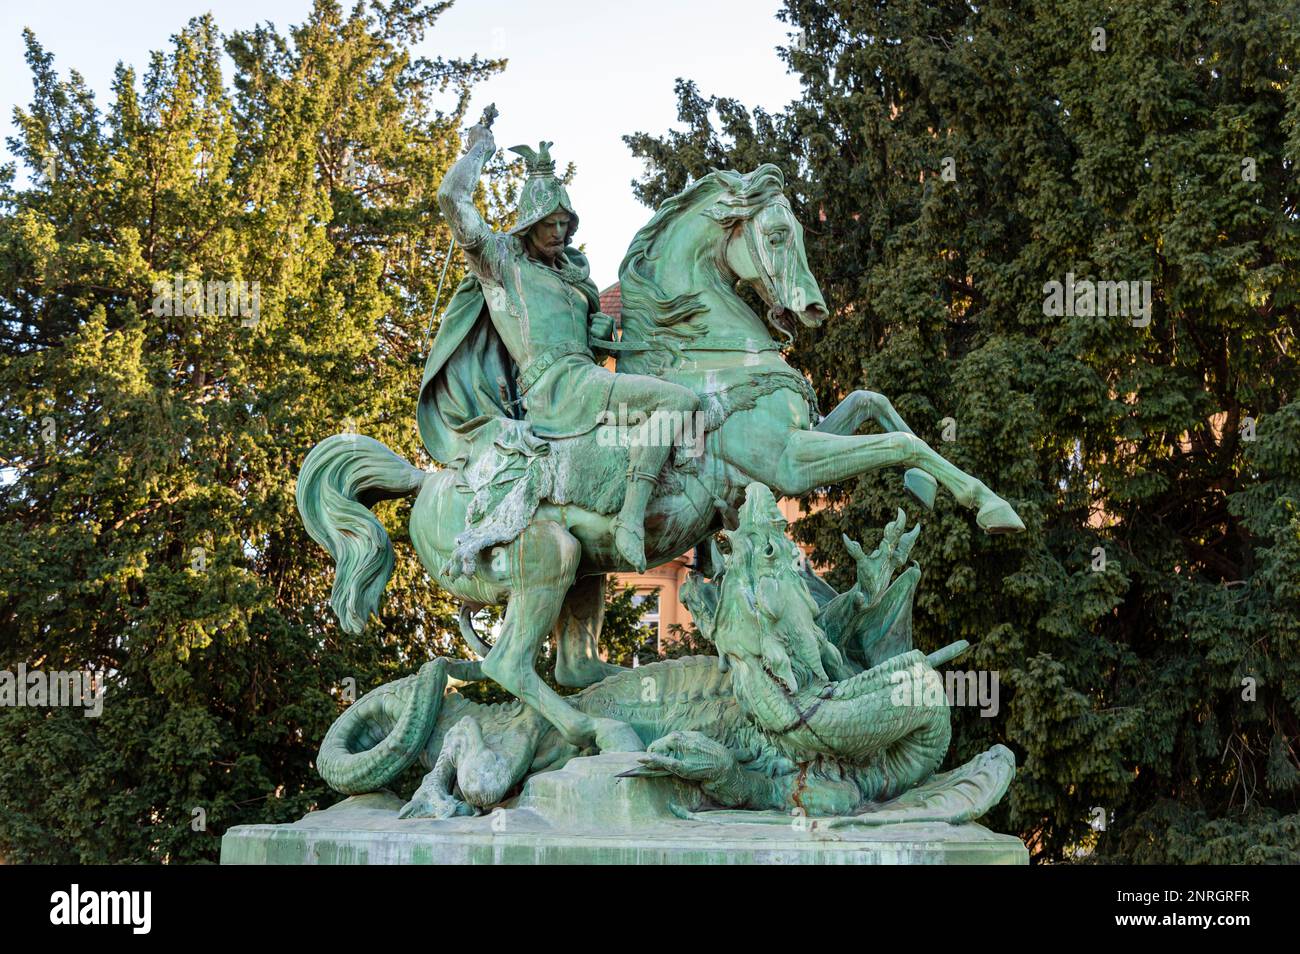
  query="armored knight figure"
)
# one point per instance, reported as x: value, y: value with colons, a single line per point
x: 545, y: 313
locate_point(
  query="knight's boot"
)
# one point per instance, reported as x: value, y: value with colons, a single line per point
x: 629, y: 525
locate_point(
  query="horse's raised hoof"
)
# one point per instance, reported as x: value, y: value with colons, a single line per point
x: 920, y: 486
x: 615, y: 736
x: 996, y: 516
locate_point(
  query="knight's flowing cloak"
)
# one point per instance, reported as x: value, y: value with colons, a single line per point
x: 470, y: 417
x: 469, y: 379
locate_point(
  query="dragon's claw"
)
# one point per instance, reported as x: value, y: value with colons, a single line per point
x: 877, y: 569
x: 430, y: 804
x: 904, y: 548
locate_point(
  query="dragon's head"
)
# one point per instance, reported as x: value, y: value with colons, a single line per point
x: 787, y: 676
x: 765, y: 626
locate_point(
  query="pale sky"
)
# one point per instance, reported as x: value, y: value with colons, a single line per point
x: 581, y: 73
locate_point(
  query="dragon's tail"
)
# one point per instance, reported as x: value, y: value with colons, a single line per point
x: 351, y: 761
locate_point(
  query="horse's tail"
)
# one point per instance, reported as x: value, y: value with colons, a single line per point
x: 351, y: 762
x: 340, y: 480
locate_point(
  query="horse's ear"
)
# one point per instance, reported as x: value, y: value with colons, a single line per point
x: 724, y: 214
x: 766, y: 170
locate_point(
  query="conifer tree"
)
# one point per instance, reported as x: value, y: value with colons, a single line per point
x: 949, y: 160
x: 197, y: 284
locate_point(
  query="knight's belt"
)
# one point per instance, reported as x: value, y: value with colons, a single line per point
x: 536, y: 367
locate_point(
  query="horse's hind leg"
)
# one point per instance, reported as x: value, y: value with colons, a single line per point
x: 543, y: 565
x: 862, y: 406
x: 577, y: 636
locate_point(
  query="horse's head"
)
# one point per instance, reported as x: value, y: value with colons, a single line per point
x: 722, y: 229
x: 764, y: 246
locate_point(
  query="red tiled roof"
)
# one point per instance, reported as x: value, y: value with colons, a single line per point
x: 611, y: 301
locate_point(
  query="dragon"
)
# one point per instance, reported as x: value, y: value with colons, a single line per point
x: 816, y: 702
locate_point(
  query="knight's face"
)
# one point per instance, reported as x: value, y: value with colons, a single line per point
x: 546, y: 238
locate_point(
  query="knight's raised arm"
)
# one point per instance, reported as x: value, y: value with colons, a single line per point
x: 456, y: 193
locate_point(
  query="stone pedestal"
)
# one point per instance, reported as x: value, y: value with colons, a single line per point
x: 584, y: 814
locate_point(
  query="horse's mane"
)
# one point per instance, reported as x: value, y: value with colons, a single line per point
x: 734, y: 197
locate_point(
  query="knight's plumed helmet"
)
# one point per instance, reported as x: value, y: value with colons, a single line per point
x: 543, y: 193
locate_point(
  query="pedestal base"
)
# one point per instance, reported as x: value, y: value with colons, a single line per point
x: 584, y: 814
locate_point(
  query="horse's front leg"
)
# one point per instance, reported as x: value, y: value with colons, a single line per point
x: 543, y: 565
x: 814, y: 458
x: 862, y: 406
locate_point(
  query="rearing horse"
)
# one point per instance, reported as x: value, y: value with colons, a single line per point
x: 682, y: 320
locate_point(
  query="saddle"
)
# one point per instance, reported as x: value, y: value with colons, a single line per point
x: 510, y: 471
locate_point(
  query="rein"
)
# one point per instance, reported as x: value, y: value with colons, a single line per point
x: 760, y: 264
x: 767, y: 279
x: 739, y: 345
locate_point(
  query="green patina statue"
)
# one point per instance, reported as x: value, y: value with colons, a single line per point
x: 816, y: 703
x: 544, y: 490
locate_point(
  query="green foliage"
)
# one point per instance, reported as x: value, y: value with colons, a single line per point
x: 147, y: 518
x: 623, y: 634
x: 1121, y: 689
x: 687, y: 641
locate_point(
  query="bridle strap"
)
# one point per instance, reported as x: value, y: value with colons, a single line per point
x: 760, y: 265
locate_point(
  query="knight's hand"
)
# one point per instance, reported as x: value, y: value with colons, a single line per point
x: 479, y: 133
x: 602, y: 327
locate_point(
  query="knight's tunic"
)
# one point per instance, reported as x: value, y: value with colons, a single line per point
x: 543, y: 316
x: 511, y: 361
